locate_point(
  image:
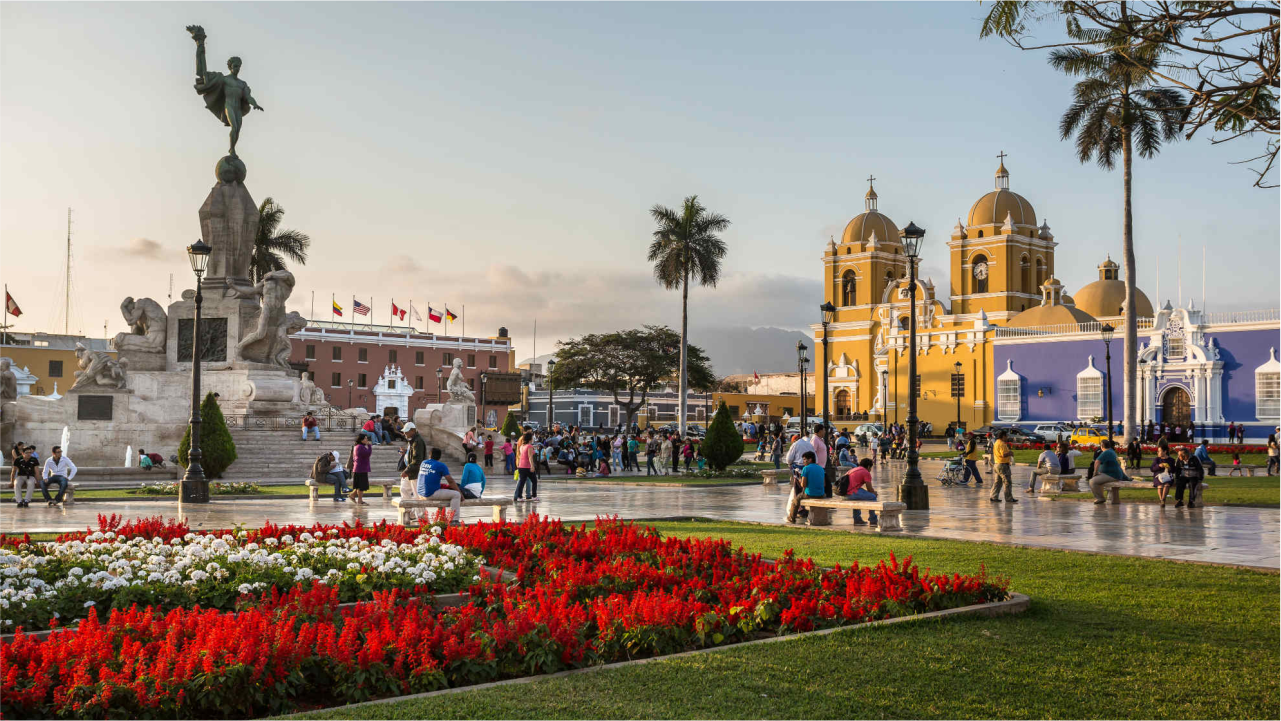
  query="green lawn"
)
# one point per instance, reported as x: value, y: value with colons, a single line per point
x: 123, y: 493
x: 1234, y: 491
x: 666, y: 480
x: 1030, y: 456
x: 1106, y: 637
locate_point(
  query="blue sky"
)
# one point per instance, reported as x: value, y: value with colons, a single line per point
x: 504, y: 156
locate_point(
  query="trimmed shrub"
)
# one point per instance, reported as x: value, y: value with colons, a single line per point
x: 217, y: 449
x: 510, y: 426
x: 723, y: 445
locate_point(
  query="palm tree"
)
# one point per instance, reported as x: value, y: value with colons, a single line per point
x: 272, y: 248
x: 685, y: 247
x: 1115, y: 107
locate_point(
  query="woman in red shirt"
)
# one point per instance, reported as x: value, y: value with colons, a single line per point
x: 527, y: 481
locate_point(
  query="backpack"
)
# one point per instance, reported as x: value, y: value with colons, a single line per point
x: 843, y: 484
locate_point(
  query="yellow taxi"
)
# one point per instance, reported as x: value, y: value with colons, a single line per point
x: 1088, y: 436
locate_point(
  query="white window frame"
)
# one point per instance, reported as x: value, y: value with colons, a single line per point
x: 615, y: 415
x: 1090, y: 389
x: 1267, y: 390
x: 590, y: 416
x: 1009, y: 394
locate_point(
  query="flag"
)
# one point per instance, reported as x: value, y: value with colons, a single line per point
x: 756, y: 376
x: 359, y: 308
x: 450, y: 315
x: 398, y: 312
x: 416, y: 316
x: 11, y: 305
x: 337, y: 309
x: 434, y: 315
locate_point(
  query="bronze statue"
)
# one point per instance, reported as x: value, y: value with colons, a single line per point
x: 226, y: 96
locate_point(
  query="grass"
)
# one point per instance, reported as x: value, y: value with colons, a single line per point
x: 1030, y: 456
x: 1106, y: 637
x: 124, y: 493
x: 666, y: 480
x: 1258, y: 492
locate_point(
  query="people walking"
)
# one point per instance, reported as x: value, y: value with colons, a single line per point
x: 633, y: 453
x: 57, y: 469
x: 973, y: 452
x: 527, y: 482
x: 652, y: 449
x: 776, y: 449
x: 1004, y: 459
x: 1273, y: 458
x: 489, y: 450
x: 664, y: 452
x: 676, y: 453
x: 360, y: 453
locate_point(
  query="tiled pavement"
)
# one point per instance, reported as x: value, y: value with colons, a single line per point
x: 1244, y: 536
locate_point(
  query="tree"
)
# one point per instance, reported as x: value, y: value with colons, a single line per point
x: 510, y: 426
x: 686, y: 245
x: 272, y: 248
x: 217, y: 448
x: 627, y: 364
x: 723, y: 444
x: 1223, y: 55
x: 1114, y: 108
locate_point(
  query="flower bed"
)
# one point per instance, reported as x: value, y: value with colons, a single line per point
x: 587, y: 595
x: 41, y: 583
x: 218, y: 488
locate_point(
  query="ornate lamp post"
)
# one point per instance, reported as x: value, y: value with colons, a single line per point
x: 551, y: 394
x: 1107, y: 332
x: 351, y: 383
x: 801, y: 362
x: 484, y: 379
x: 912, y: 491
x: 440, y: 388
x: 957, y: 390
x: 195, y: 488
x: 829, y: 314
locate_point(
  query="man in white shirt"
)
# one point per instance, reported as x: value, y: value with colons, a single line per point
x: 57, y: 469
x: 798, y: 450
x: 1046, y: 464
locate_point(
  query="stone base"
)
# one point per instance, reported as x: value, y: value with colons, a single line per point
x: 137, y: 360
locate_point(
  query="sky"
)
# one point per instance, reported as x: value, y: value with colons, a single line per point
x: 504, y: 157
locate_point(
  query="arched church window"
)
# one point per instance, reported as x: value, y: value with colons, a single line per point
x: 847, y: 288
x: 980, y: 234
x: 903, y: 322
x: 1040, y: 272
x: 980, y: 274
x: 1026, y: 268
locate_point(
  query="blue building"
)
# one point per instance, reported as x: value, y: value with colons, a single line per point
x: 595, y: 409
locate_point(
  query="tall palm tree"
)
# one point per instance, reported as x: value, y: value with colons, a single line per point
x: 685, y: 247
x: 1116, y: 108
x: 272, y: 248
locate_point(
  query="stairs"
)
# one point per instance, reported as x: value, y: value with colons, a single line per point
x: 283, y: 454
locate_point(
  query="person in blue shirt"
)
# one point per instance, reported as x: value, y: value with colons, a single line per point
x: 1203, y: 454
x: 434, y: 482
x: 1107, y: 468
x: 473, y: 482
x: 812, y: 484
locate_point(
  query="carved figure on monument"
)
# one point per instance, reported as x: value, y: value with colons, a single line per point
x: 98, y: 368
x: 459, y: 393
x: 265, y: 343
x: 8, y: 381
x: 226, y: 96
x: 148, y: 324
x: 310, y: 394
x: 294, y: 322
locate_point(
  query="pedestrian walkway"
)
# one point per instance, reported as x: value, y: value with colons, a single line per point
x: 1241, y: 536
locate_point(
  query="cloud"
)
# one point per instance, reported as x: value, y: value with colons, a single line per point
x: 142, y: 248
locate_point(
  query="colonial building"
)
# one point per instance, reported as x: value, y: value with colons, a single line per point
x: 48, y: 359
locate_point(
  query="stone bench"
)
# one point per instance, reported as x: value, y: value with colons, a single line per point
x: 313, y: 488
x: 405, y: 505
x: 1113, y: 489
x: 68, y: 498
x: 820, y: 511
x: 772, y: 477
x: 1067, y: 483
x: 1243, y: 469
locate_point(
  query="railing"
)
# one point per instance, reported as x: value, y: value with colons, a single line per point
x: 1062, y: 328
x: 1241, y: 316
x: 330, y: 419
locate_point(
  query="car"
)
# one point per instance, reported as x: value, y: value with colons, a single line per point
x: 1050, y: 432
x: 1088, y: 436
x: 872, y: 430
x: 1014, y: 434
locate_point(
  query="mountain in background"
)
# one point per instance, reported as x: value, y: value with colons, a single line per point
x: 743, y: 349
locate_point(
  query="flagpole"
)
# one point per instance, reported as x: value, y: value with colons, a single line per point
x: 464, y: 317
x: 352, y: 325
x: 313, y: 304
x: 410, y: 314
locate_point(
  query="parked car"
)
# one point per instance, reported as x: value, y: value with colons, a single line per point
x: 1014, y: 434
x: 1050, y: 432
x: 873, y: 430
x: 1088, y: 436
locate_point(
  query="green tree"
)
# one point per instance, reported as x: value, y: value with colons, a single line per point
x: 271, y: 248
x: 627, y: 364
x: 723, y: 444
x: 1116, y: 110
x: 217, y: 448
x: 510, y: 426
x: 686, y: 246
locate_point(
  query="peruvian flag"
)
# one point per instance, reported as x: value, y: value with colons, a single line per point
x: 11, y: 305
x: 398, y: 312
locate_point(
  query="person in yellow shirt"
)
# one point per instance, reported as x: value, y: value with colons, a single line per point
x: 973, y: 452
x: 1004, y: 458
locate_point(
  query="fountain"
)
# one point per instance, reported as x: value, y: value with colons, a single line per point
x: 128, y: 456
x: 66, y: 440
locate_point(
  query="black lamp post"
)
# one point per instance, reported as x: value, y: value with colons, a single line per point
x: 957, y: 390
x: 440, y: 388
x: 1108, y: 331
x: 885, y: 397
x: 801, y: 362
x: 484, y: 379
x: 829, y: 314
x: 195, y: 488
x: 912, y: 491
x: 551, y: 395
x: 524, y: 395
x: 351, y: 383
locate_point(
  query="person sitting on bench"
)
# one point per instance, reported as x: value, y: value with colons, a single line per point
x: 1046, y: 464
x: 1203, y: 455
x: 1108, y: 470
x: 327, y: 469
x: 473, y: 482
x: 811, y: 484
x: 435, y: 483
x: 860, y: 489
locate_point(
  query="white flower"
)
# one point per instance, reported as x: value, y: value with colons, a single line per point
x: 244, y: 588
x: 88, y: 604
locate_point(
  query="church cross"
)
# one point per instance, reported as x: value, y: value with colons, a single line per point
x: 1002, y: 157
x: 870, y: 178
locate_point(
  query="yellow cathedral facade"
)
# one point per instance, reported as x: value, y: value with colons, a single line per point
x: 1001, y: 273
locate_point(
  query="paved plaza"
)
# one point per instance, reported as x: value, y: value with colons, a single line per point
x: 1217, y: 534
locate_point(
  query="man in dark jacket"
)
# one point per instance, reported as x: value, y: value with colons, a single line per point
x: 416, y: 454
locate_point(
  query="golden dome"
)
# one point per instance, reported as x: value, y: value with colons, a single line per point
x: 1104, y: 299
x: 864, y: 224
x: 992, y: 209
x: 1049, y: 315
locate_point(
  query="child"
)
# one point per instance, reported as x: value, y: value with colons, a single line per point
x: 1236, y: 464
x: 698, y: 457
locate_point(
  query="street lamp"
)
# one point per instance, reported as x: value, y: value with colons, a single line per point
x: 195, y: 488
x: 351, y: 383
x: 1108, y: 331
x: 440, y: 389
x: 957, y: 390
x: 801, y: 362
x: 829, y: 470
x: 551, y: 394
x: 912, y: 491
x: 484, y: 378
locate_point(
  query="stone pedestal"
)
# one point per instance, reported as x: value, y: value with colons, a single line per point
x: 136, y: 360
x: 223, y: 322
x: 228, y: 223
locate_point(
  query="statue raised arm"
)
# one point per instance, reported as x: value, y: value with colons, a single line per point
x: 226, y: 96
